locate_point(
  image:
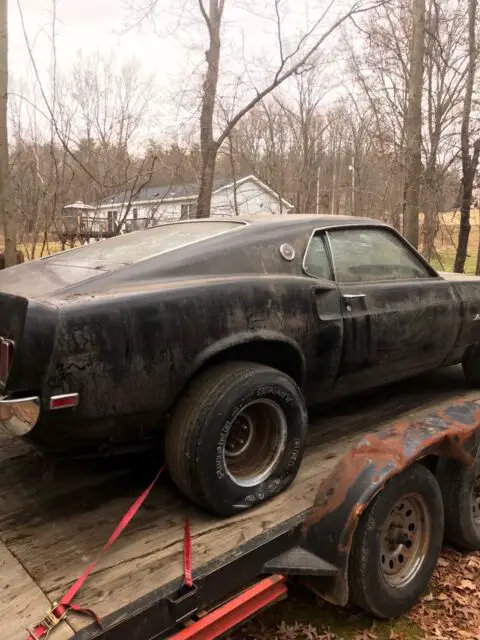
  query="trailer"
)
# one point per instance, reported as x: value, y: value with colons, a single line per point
x: 55, y: 520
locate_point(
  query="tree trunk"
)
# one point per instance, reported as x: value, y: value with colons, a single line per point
x: 204, y: 200
x: 432, y: 189
x: 413, y: 124
x: 208, y: 145
x: 464, y: 233
x: 234, y: 174
x: 9, y: 231
x: 469, y: 165
x: 430, y: 229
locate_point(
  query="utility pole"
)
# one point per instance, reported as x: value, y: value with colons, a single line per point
x: 8, y: 224
x: 351, y: 168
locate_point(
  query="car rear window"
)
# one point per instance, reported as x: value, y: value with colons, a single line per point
x: 139, y: 245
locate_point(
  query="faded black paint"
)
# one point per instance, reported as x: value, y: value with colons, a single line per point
x: 129, y: 340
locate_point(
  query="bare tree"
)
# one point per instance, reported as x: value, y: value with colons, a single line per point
x: 9, y: 231
x: 469, y: 162
x: 289, y: 64
x: 446, y: 58
x: 413, y: 125
x: 385, y: 50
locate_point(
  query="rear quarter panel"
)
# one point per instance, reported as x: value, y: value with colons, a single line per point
x: 131, y: 352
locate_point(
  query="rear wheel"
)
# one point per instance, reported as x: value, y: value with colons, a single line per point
x: 397, y: 544
x: 237, y: 436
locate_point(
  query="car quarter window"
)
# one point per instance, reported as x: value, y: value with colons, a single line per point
x: 369, y: 254
x: 316, y: 262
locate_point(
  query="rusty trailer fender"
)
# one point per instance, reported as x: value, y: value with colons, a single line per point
x: 343, y: 496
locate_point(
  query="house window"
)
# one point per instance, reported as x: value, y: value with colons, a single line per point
x: 112, y: 221
x: 135, y: 222
x: 188, y: 211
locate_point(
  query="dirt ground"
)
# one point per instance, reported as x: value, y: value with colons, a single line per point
x: 449, y: 610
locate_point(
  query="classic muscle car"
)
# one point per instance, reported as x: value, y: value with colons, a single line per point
x: 211, y: 337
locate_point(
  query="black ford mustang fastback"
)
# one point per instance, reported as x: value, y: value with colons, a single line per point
x: 215, y: 335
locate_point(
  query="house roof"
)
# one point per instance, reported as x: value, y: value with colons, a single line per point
x: 79, y: 205
x: 183, y: 192
x: 169, y: 192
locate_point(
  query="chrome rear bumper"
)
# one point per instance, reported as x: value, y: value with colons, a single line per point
x: 18, y: 416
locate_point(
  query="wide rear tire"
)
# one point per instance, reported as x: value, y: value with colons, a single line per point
x: 236, y: 437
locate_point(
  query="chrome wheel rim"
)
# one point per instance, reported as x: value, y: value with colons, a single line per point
x: 405, y: 539
x: 255, y: 442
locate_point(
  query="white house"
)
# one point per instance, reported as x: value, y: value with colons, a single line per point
x: 152, y: 205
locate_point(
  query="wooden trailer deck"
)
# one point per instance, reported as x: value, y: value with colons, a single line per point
x: 53, y: 522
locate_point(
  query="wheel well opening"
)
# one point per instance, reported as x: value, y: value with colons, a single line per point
x: 430, y: 462
x: 273, y: 353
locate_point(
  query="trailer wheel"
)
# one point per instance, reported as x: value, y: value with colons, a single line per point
x: 460, y: 487
x: 397, y: 543
x: 236, y: 437
x: 471, y: 366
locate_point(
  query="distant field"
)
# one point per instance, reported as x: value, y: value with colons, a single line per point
x: 447, y: 237
x: 52, y: 246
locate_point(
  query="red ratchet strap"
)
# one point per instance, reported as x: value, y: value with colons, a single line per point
x: 187, y: 556
x: 59, y: 610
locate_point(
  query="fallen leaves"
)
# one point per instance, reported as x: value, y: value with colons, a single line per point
x: 443, y: 562
x: 293, y: 631
x: 365, y: 635
x: 467, y: 584
x: 451, y: 610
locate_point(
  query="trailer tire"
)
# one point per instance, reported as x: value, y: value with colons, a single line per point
x: 471, y: 366
x: 236, y: 437
x: 387, y: 576
x: 460, y: 486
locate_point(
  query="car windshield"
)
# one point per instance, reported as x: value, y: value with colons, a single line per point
x: 139, y: 245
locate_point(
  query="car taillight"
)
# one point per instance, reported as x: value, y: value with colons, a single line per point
x: 6, y: 358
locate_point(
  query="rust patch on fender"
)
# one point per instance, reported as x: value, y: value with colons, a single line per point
x: 344, y: 495
x: 393, y: 449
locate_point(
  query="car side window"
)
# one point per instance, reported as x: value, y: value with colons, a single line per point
x: 368, y: 254
x: 316, y: 262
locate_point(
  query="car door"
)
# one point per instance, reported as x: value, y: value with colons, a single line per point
x: 399, y: 316
x: 325, y: 348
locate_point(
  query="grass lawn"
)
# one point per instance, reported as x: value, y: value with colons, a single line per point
x: 446, y: 260
x: 50, y: 247
x: 302, y: 617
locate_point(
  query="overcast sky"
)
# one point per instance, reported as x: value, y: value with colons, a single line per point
x: 81, y: 26
x: 173, y: 55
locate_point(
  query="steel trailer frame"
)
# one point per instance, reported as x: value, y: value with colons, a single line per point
x: 313, y: 546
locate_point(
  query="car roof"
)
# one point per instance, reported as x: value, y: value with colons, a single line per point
x: 290, y: 220
x: 308, y: 218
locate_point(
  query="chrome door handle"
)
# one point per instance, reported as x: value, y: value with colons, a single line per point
x: 353, y: 296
